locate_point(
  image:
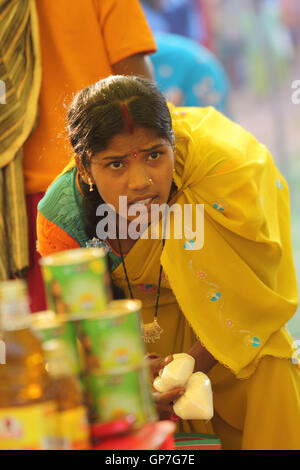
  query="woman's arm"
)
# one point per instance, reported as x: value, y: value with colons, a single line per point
x: 204, y: 361
x: 138, y: 64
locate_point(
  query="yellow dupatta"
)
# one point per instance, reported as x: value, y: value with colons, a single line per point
x: 240, y: 289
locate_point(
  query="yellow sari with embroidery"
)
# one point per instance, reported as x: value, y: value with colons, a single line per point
x: 236, y: 293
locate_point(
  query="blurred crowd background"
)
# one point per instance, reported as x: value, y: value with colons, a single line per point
x: 244, y: 58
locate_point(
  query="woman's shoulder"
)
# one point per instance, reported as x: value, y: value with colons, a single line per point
x: 61, y: 189
x: 62, y: 205
x: 197, y: 118
x: 210, y: 131
x: 193, y: 123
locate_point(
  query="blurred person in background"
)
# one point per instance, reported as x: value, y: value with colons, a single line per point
x: 205, y: 11
x: 153, y: 10
x: 291, y: 17
x: 185, y: 71
x: 252, y: 60
x: 228, y: 38
x: 182, y: 17
x: 50, y: 50
x: 188, y: 74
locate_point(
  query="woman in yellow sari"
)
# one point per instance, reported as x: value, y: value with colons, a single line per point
x: 225, y: 301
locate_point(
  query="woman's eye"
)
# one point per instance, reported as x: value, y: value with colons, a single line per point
x: 154, y: 155
x: 116, y: 165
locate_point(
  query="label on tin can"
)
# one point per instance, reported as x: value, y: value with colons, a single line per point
x: 112, y: 397
x: 76, y: 281
x: 62, y: 331
x: 112, y: 342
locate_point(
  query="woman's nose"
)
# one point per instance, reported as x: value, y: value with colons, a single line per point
x: 138, y: 180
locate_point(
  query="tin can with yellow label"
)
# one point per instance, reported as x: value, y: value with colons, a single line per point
x: 113, y: 339
x: 115, y: 396
x: 48, y: 327
x: 77, y: 281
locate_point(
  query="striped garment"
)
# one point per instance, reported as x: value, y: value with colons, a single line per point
x: 20, y: 79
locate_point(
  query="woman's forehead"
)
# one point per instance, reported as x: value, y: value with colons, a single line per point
x: 124, y: 143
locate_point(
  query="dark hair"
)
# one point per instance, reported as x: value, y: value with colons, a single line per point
x: 96, y: 114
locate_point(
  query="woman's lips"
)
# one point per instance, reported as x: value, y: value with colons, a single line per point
x: 138, y: 209
x: 143, y: 202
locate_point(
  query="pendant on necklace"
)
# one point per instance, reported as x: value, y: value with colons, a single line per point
x: 152, y: 332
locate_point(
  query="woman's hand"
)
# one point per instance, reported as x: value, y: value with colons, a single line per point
x: 164, y: 401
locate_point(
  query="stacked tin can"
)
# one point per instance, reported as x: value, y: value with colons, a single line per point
x: 117, y: 378
x: 104, y: 337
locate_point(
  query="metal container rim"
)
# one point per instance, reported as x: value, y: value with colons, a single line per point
x: 72, y: 257
x: 115, y: 308
x: 100, y: 373
x: 45, y: 319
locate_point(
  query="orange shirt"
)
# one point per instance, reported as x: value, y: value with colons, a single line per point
x: 80, y: 40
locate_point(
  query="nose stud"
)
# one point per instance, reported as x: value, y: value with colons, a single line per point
x: 150, y: 180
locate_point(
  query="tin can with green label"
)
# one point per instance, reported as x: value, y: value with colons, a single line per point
x: 77, y: 281
x: 48, y: 327
x: 113, y: 339
x: 115, y: 396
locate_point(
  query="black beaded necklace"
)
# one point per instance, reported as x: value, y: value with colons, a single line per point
x: 151, y: 331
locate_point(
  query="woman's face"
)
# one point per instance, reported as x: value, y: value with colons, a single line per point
x: 138, y: 165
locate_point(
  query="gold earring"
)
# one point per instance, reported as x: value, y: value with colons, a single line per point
x: 91, y: 184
